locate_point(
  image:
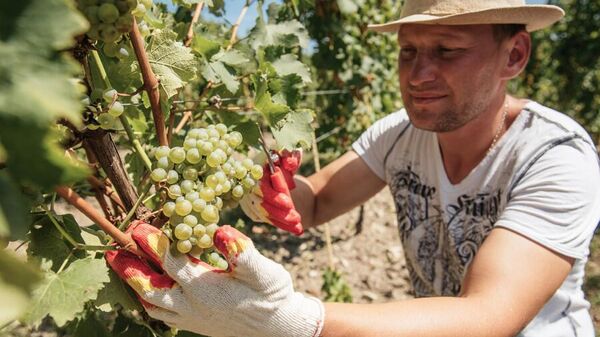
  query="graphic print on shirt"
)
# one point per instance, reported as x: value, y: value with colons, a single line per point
x: 439, y: 243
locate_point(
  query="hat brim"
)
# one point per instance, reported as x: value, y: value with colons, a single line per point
x: 535, y: 17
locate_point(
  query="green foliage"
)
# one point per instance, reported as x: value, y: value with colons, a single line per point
x: 564, y: 70
x: 335, y: 288
x: 17, y: 280
x: 63, y: 294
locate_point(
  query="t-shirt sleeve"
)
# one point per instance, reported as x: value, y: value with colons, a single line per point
x: 375, y: 143
x: 557, y: 200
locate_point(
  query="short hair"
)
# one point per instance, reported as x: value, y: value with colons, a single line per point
x: 507, y: 30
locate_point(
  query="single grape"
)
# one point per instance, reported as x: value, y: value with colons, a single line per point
x: 139, y: 10
x: 158, y: 174
x: 256, y: 172
x: 226, y: 186
x: 211, y: 181
x: 162, y: 151
x: 183, y: 231
x: 211, y: 229
x: 192, y: 134
x: 177, y: 155
x: 193, y: 156
x: 199, y: 230
x: 122, y: 6
x: 123, y: 53
x: 213, y: 159
x: 223, y: 145
x: 219, y: 202
x: 198, y: 205
x: 247, y: 163
x: 221, y: 128
x: 108, y: 32
x: 189, y: 143
x: 205, y: 241
x: 213, y: 258
x: 202, y: 134
x: 190, y: 173
x: 106, y: 121
x: 179, y: 199
x: 93, y: 126
x: 164, y: 163
x: 237, y: 191
x: 190, y: 220
x: 168, y: 208
x: 226, y: 167
x: 221, y: 176
x: 222, y: 264
x: 168, y: 232
x: 108, y: 13
x: 207, y: 193
x: 218, y: 189
x: 248, y: 182
x: 184, y: 246
x: 205, y: 148
x: 174, y: 191
x: 213, y: 134
x: 183, y: 207
x: 240, y: 172
x: 193, y: 241
x: 144, y: 29
x: 235, y: 139
x: 124, y: 23
x: 187, y: 186
x: 109, y: 95
x: 192, y: 196
x: 172, y: 177
x: 210, y: 213
x: 91, y: 13
x: 116, y: 109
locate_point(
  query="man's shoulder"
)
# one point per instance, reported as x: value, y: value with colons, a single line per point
x: 551, y: 122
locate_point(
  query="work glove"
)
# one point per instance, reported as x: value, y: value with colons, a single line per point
x: 254, y: 297
x: 270, y: 200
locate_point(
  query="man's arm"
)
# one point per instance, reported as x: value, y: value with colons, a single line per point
x: 340, y: 186
x: 509, y: 281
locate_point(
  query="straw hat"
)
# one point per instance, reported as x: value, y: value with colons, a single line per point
x: 468, y: 12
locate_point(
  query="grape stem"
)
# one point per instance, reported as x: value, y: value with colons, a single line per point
x: 264, y: 147
x: 150, y: 83
x: 124, y: 240
x: 190, y: 33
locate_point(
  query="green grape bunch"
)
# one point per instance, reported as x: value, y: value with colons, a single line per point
x: 202, y: 178
x: 107, y: 116
x: 110, y: 19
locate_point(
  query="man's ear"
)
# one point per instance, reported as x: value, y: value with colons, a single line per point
x: 519, y: 49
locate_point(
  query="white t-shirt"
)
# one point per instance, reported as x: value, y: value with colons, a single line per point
x: 540, y: 180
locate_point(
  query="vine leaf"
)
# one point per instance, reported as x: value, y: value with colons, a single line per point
x: 204, y: 46
x: 296, y: 130
x: 48, y: 243
x: 290, y: 33
x: 231, y: 57
x: 116, y: 292
x: 217, y: 72
x: 14, y: 218
x: 171, y: 61
x: 272, y: 111
x: 36, y: 88
x: 63, y: 295
x: 288, y: 64
x: 17, y: 280
x: 250, y: 131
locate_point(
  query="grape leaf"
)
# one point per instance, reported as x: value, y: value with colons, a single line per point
x: 63, y: 295
x: 231, y: 57
x: 116, y: 292
x: 204, y: 46
x: 14, y: 209
x: 17, y: 279
x: 48, y: 243
x: 288, y: 64
x: 250, y: 131
x: 288, y: 90
x: 273, y: 112
x: 225, y: 76
x: 290, y: 33
x: 296, y: 130
x: 36, y: 87
x: 171, y: 61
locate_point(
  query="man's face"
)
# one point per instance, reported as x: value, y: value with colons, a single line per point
x: 448, y: 74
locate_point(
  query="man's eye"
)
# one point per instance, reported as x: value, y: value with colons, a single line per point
x: 407, y: 52
x: 448, y: 51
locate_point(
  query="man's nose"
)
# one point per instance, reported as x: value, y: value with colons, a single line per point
x: 422, y: 70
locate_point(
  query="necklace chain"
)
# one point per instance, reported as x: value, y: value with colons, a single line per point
x: 500, y: 127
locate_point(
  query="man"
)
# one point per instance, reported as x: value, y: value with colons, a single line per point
x: 496, y: 196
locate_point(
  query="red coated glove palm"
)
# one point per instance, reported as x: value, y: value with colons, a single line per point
x: 270, y: 201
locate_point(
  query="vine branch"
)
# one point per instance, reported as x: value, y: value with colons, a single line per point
x: 150, y: 83
x: 124, y: 240
x: 195, y: 17
x: 237, y: 23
